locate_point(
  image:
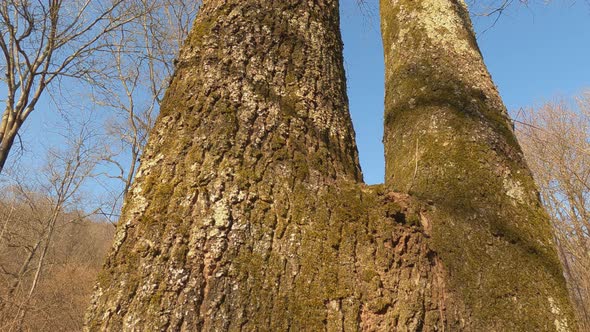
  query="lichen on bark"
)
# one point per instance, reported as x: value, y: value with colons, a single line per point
x: 249, y: 212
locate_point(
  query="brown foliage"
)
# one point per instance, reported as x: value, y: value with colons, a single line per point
x: 556, y: 141
x: 68, y: 271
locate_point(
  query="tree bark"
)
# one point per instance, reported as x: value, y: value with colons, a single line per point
x: 6, y: 142
x: 448, y: 140
x: 249, y: 212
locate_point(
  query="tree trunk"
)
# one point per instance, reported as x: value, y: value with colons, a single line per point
x: 249, y: 213
x: 6, y: 142
x: 448, y: 140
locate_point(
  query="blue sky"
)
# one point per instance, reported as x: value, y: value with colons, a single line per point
x: 534, y: 54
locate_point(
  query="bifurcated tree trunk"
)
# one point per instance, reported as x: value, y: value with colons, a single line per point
x: 249, y: 212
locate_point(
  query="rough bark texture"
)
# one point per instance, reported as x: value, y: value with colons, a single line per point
x: 448, y: 140
x: 249, y: 212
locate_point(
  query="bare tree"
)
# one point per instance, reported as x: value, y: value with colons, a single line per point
x: 44, y: 207
x: 42, y: 42
x: 556, y: 141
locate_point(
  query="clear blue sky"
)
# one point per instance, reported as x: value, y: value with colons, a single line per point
x: 534, y: 54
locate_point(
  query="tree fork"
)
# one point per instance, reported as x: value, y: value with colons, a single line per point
x: 449, y: 141
x: 249, y: 212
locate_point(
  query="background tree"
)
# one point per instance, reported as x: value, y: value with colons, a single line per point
x: 38, y: 215
x: 556, y: 141
x: 43, y: 42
